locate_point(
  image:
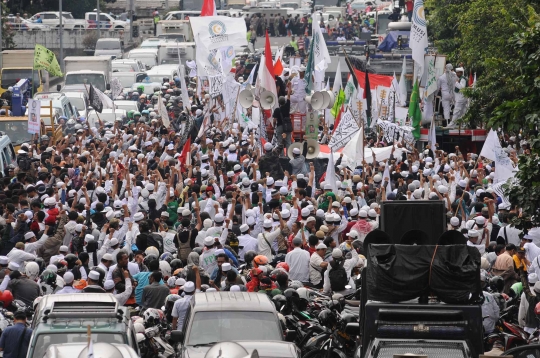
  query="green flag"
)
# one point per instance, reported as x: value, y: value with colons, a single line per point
x: 338, y: 103
x: 45, y: 59
x: 415, y: 114
x: 309, y: 68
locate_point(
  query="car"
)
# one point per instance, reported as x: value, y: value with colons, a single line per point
x: 109, y: 46
x: 148, y: 87
x: 152, y: 42
x: 126, y: 105
x: 107, y: 115
x: 52, y: 19
x: 61, y: 319
x: 26, y: 25
x: 70, y: 350
x: 247, y: 318
x: 123, y: 65
x: 79, y: 100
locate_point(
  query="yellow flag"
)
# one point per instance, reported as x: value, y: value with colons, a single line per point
x: 45, y: 59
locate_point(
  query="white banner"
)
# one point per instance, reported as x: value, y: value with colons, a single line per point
x: 431, y: 81
x: 321, y: 57
x: 162, y: 109
x: 116, y: 87
x: 192, y: 65
x: 216, y: 85
x: 345, y: 130
x: 418, y: 40
x: 214, y: 32
x: 34, y: 110
x: 183, y: 87
x: 208, y: 63
x: 227, y: 57
x: 395, y: 133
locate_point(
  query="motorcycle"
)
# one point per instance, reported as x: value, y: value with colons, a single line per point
x: 153, y: 345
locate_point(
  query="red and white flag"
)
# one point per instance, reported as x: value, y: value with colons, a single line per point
x: 208, y: 8
x: 266, y: 71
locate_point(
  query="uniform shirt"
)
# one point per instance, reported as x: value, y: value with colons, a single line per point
x: 9, y: 341
x: 208, y: 260
x: 298, y: 261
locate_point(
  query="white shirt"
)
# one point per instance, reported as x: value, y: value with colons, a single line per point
x: 124, y: 296
x: 32, y: 247
x: 315, y: 268
x: 67, y: 289
x: 56, y: 258
x: 247, y: 242
x: 298, y: 261
x: 348, y: 266
x: 264, y: 247
x: 19, y: 256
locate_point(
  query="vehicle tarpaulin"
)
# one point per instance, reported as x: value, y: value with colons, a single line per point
x: 399, y: 273
x: 390, y: 41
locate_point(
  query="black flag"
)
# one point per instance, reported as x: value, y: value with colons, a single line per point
x: 95, y: 101
x: 367, y: 96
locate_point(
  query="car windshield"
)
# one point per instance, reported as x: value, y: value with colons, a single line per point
x: 10, y: 77
x: 233, y: 326
x: 147, y: 59
x: 95, y: 79
x: 158, y: 77
x: 107, y: 45
x: 177, y: 37
x: 17, y: 131
x: 67, y: 16
x: 45, y: 340
x: 77, y: 102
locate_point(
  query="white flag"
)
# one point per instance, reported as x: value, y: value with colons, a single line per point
x: 183, y: 87
x: 105, y: 100
x: 386, y: 175
x: 418, y: 40
x: 163, y: 113
x: 337, y: 81
x: 214, y: 32
x: 345, y: 130
x: 490, y: 146
x: 355, y: 148
x: 492, y: 150
x: 432, y: 136
x: 192, y: 68
x: 321, y: 57
x: 227, y: 57
x: 431, y: 82
x: 116, y: 87
x: 330, y: 177
x: 403, y: 84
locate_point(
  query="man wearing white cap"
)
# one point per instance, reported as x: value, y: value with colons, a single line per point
x: 246, y: 242
x: 182, y: 305
x: 298, y: 163
x: 446, y: 84
x: 68, y: 285
x: 18, y: 255
x: 317, y: 265
x: 298, y: 261
x: 267, y: 238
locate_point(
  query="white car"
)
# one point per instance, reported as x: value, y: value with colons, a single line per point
x: 108, y: 115
x: 52, y: 19
x: 26, y: 25
x: 126, y: 105
x: 79, y: 100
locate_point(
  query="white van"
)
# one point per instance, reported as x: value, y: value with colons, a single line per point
x: 157, y: 73
x: 129, y: 78
x: 109, y: 46
x: 148, y: 56
x: 7, y: 153
x: 61, y: 106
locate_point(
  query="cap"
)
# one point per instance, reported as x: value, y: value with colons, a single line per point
x: 4, y: 260
x: 219, y: 218
x: 320, y: 234
x: 235, y: 288
x: 68, y: 277
x: 268, y: 146
x: 63, y: 248
x: 209, y: 241
x: 537, y: 288
x: 353, y: 234
x: 296, y: 151
x: 443, y: 189
x: 454, y: 221
x: 269, y: 181
x: 533, y: 278
x: 304, y: 212
x: 244, y: 228
x: 108, y: 257
x: 480, y: 220
x: 354, y: 212
x: 267, y: 223
x: 88, y: 238
x: 226, y: 267
x: 337, y: 253
x: 29, y: 235
x: 327, y: 186
x: 94, y: 275
x: 165, y: 214
x: 108, y: 285
x: 462, y: 183
x: 310, y: 219
x: 189, y: 287
x: 321, y: 247
x: 363, y: 213
x: 138, y: 216
x: 180, y: 282
x: 473, y: 233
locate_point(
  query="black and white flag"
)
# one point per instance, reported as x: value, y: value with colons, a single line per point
x: 95, y: 101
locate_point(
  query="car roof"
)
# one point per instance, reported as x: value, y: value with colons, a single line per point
x: 49, y: 300
x: 232, y: 301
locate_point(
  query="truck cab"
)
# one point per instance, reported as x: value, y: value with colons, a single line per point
x: 106, y: 21
x: 86, y: 70
x: 109, y: 46
x: 16, y: 65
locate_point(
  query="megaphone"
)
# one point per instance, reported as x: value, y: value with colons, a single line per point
x: 329, y: 99
x: 268, y: 100
x: 313, y: 149
x: 246, y: 98
x: 316, y: 100
x: 299, y: 145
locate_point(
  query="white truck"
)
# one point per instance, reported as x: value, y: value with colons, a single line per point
x: 95, y: 70
x: 106, y: 22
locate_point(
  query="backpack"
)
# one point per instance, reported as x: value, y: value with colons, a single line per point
x: 338, y: 278
x: 25, y: 164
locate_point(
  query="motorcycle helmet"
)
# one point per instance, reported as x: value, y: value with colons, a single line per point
x: 165, y: 269
x: 260, y: 260
x: 176, y: 264
x: 348, y: 318
x: 249, y: 256
x: 40, y: 262
x: 6, y: 298
x: 172, y: 298
x: 152, y: 251
x: 279, y: 301
x: 295, y: 284
x: 198, y: 250
x: 149, y: 258
x: 291, y: 295
x: 48, y: 277
x: 153, y: 317
x: 167, y: 256
x: 32, y: 270
x: 44, y: 137
x: 537, y: 309
x: 303, y: 293
x: 327, y: 318
x: 283, y: 265
x: 71, y: 260
x: 496, y: 283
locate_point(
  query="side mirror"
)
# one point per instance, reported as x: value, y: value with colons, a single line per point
x: 58, y: 88
x: 290, y: 335
x: 352, y: 329
x: 177, y: 336
x: 108, y: 86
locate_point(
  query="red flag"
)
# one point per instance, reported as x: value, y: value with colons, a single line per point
x: 208, y: 8
x: 269, y: 62
x: 278, y: 67
x: 471, y: 79
x: 338, y: 119
x: 185, y: 156
x: 374, y: 79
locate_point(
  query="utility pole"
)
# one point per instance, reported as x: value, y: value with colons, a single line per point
x: 98, y: 22
x: 130, y: 15
x: 60, y: 34
x: 1, y: 37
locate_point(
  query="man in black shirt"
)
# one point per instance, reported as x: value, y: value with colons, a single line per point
x: 281, y: 116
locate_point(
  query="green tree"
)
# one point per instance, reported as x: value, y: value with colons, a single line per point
x: 7, y: 33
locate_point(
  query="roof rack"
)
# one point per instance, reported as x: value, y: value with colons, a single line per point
x: 84, y: 310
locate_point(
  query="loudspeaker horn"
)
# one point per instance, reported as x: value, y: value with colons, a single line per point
x: 246, y: 98
x: 313, y: 149
x: 299, y: 145
x: 268, y: 100
x: 329, y: 99
x: 316, y: 100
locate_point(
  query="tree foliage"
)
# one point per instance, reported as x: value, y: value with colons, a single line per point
x: 7, y: 33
